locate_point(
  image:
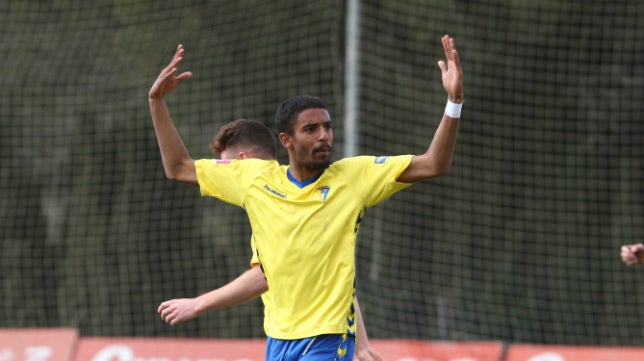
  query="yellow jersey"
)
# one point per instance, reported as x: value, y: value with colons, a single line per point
x: 305, y: 233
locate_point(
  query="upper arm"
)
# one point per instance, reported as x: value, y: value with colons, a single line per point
x: 184, y: 172
x: 422, y: 167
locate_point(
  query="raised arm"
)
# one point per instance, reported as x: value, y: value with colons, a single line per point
x: 177, y: 163
x: 244, y: 288
x: 438, y: 158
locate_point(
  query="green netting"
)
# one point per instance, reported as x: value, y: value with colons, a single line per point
x: 520, y: 242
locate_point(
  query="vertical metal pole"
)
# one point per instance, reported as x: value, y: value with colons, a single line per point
x: 352, y: 79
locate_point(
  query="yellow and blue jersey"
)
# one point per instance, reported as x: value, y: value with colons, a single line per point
x: 305, y: 233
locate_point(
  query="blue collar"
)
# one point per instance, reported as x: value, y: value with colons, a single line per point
x: 305, y: 182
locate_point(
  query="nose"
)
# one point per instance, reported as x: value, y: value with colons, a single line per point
x: 325, y: 135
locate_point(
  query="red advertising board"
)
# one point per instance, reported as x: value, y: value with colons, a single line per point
x: 522, y: 352
x: 37, y: 344
x: 64, y: 344
x: 412, y: 350
x: 168, y: 349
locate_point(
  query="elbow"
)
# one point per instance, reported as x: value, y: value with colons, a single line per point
x: 181, y: 178
x: 173, y: 176
x: 181, y: 173
x: 441, y: 171
x: 437, y: 170
x: 262, y: 288
x: 172, y: 170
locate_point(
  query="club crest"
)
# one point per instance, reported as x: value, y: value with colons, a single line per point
x: 324, y: 192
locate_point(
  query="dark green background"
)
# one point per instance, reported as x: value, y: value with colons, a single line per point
x: 520, y: 242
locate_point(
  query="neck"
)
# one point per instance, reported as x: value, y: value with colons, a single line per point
x: 302, y: 173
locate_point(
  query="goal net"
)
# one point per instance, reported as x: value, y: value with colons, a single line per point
x: 520, y: 242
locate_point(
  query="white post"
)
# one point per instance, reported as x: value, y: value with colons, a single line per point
x: 352, y: 79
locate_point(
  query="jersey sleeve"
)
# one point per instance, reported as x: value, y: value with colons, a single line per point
x: 377, y: 176
x: 227, y: 180
x: 254, y: 260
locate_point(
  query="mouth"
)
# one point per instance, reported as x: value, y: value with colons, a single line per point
x: 322, y: 149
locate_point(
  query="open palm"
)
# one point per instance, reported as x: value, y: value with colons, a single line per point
x: 167, y: 80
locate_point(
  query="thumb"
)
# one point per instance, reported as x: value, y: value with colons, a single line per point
x: 185, y: 75
x: 442, y: 66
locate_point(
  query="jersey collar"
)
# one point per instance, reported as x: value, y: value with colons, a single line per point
x: 305, y: 182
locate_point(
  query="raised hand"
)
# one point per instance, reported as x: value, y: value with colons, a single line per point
x: 167, y: 79
x: 451, y: 71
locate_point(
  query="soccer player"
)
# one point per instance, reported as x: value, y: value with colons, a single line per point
x: 632, y: 253
x: 243, y: 139
x: 305, y: 216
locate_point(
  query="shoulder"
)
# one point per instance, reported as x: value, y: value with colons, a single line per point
x: 352, y: 161
x: 237, y: 163
x: 369, y: 160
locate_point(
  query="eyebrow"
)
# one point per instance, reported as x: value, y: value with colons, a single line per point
x: 316, y: 123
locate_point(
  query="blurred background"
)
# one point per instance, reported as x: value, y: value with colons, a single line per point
x: 520, y: 242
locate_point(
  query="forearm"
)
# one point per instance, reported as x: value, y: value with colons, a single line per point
x: 441, y: 150
x: 437, y: 160
x: 244, y: 288
x: 177, y: 163
x: 362, y: 340
x: 363, y: 347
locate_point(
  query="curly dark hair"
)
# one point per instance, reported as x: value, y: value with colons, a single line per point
x: 246, y: 133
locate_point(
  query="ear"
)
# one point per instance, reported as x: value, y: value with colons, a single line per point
x: 286, y: 140
x: 244, y: 155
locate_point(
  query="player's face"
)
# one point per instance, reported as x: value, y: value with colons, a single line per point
x: 312, y: 139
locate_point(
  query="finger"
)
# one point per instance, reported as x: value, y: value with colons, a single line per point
x: 177, y: 55
x: 174, y: 64
x: 167, y: 315
x: 452, y: 55
x: 165, y: 74
x: 176, y: 60
x: 636, y: 253
x: 162, y: 306
x: 455, y: 59
x: 172, y: 319
x: 169, y: 69
x: 447, y: 46
x: 179, y: 52
x: 631, y: 257
x: 442, y: 66
x: 185, y: 75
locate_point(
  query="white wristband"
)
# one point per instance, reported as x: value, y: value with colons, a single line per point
x: 453, y: 110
